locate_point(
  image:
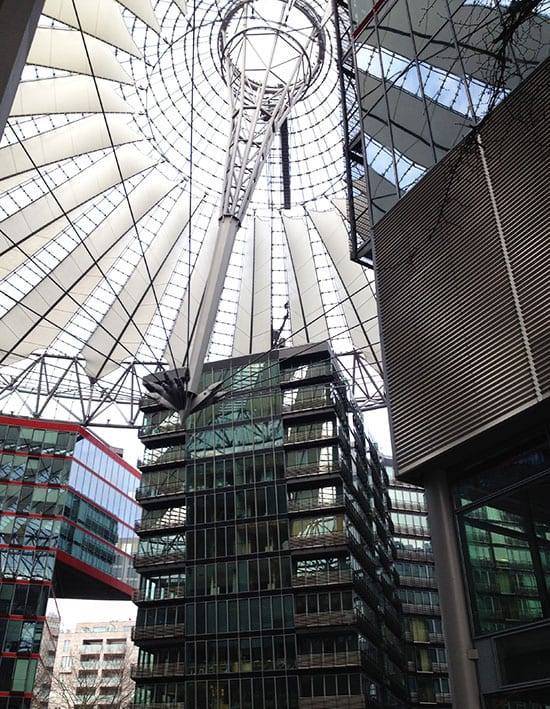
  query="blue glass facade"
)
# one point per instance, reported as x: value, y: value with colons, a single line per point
x: 65, y: 528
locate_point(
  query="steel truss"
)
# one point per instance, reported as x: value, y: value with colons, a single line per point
x: 53, y: 386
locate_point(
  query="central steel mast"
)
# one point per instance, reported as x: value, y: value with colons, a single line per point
x: 271, y: 52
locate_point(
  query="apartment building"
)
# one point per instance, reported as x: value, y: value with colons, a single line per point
x: 92, y: 667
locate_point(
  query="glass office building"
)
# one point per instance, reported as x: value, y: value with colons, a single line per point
x: 66, y: 530
x: 460, y: 240
x: 426, y: 655
x: 265, y: 553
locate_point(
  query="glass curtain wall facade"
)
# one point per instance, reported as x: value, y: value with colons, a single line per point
x: 502, y: 509
x: 66, y: 530
x: 427, y: 667
x: 416, y: 78
x: 267, y: 571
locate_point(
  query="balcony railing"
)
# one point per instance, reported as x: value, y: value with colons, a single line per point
x: 168, y: 669
x: 158, y: 456
x: 335, y: 659
x: 315, y: 620
x: 159, y: 705
x: 407, y: 505
x: 109, y: 681
x: 154, y: 632
x: 160, y: 594
x: 393, y: 617
x: 436, y: 638
x: 298, y: 471
x: 307, y: 435
x: 144, y: 560
x: 369, y: 622
x: 415, y: 608
x: 160, y: 428
x: 322, y: 578
x: 90, y: 649
x: 160, y: 490
x: 413, y: 530
x: 299, y: 376
x: 319, y: 540
x: 314, y: 504
x: 417, y: 581
x: 165, y: 522
x: 414, y: 554
x: 306, y: 404
x: 356, y: 701
x: 367, y: 586
x: 361, y: 522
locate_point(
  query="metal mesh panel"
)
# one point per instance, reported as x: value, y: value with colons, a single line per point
x: 463, y: 283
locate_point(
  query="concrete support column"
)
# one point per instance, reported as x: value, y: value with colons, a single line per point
x: 18, y: 20
x: 452, y: 596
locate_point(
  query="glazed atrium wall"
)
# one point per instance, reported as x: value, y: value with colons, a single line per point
x: 462, y: 273
x: 66, y: 530
x: 417, y: 78
x: 265, y: 553
x: 426, y: 655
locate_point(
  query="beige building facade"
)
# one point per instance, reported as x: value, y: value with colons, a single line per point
x: 92, y: 667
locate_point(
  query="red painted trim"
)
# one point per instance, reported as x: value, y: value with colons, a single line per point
x: 31, y: 483
x: 37, y: 423
x: 27, y: 547
x: 105, y: 448
x: 74, y: 491
x: 31, y: 515
x: 94, y: 573
x: 72, y: 523
x: 62, y: 518
x: 378, y: 5
x: 21, y: 655
x: 26, y: 454
x: 25, y: 582
x: 107, y: 482
x: 73, y: 428
x: 18, y: 616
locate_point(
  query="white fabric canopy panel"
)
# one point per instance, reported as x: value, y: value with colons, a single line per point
x: 42, y: 314
x: 101, y: 19
x: 307, y: 313
x: 110, y: 199
x: 54, y: 207
x: 121, y: 331
x: 68, y: 50
x: 67, y: 94
x: 355, y: 287
x: 253, y: 324
x: 83, y: 136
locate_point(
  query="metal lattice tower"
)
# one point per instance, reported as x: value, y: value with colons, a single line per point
x: 271, y: 53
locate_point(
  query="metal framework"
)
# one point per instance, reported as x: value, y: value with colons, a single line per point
x: 51, y: 386
x: 418, y: 77
x: 135, y: 126
x: 271, y: 53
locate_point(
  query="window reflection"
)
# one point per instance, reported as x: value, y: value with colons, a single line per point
x: 507, y: 552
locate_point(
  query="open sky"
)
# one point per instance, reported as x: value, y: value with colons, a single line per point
x: 75, y: 611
